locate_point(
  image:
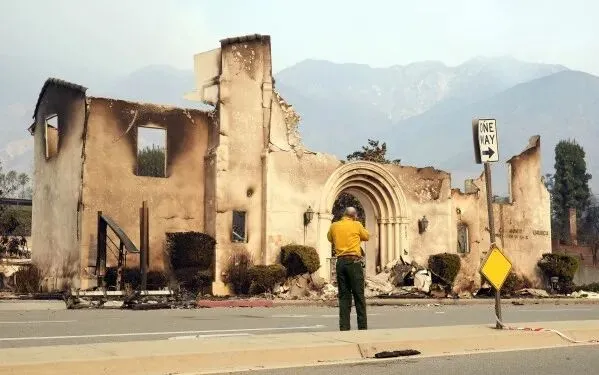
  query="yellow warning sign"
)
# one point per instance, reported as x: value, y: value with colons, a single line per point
x: 496, y: 268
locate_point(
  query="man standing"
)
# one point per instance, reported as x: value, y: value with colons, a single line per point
x: 346, y: 236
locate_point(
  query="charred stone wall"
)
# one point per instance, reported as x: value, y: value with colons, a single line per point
x: 58, y: 131
x: 112, y: 182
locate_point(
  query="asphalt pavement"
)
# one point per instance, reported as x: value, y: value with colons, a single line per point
x: 47, y: 324
x: 581, y: 360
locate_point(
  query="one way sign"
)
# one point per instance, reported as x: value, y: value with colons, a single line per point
x: 486, y: 148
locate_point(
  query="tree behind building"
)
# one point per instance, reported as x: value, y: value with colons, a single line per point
x: 15, y: 223
x: 375, y: 152
x: 569, y: 186
x: 151, y: 162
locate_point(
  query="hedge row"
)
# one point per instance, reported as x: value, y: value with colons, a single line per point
x: 190, y: 249
x: 192, y: 257
x: 559, y: 265
x: 264, y: 278
x: 444, y: 266
x: 299, y: 259
x: 247, y: 278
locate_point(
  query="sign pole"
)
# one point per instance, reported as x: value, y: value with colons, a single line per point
x: 489, y: 188
x: 496, y: 266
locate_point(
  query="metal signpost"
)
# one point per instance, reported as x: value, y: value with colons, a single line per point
x: 496, y: 269
x: 496, y: 266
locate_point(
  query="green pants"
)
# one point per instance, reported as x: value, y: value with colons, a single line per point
x: 350, y: 281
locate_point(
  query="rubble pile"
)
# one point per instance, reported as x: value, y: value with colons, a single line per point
x: 306, y: 286
x: 130, y: 299
x: 585, y: 294
x: 532, y: 293
x: 403, y: 278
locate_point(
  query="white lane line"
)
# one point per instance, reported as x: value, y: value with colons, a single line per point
x: 37, y: 321
x: 439, y: 312
x: 208, y: 336
x: 158, y: 333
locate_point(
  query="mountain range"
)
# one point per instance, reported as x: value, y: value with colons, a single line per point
x: 423, y: 110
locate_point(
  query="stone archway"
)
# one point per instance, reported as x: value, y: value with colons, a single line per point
x: 368, y: 211
x: 374, y: 185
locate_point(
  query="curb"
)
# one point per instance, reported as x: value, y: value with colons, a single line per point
x: 268, y: 303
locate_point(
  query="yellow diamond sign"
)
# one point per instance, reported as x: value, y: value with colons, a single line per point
x: 496, y: 268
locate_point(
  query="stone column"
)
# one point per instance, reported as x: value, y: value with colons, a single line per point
x: 219, y: 288
x: 265, y: 208
x: 397, y: 245
x: 390, y: 241
x: 383, y: 243
x: 323, y: 244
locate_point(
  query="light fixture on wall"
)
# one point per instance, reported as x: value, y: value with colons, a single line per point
x: 422, y: 224
x: 308, y: 215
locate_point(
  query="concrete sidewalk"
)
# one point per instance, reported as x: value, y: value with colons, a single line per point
x: 202, y: 355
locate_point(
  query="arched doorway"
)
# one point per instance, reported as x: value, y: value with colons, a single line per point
x: 380, y: 194
x: 367, y: 214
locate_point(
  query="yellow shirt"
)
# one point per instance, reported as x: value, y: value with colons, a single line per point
x: 346, y: 236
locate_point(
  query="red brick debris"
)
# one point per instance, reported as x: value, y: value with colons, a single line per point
x: 235, y: 303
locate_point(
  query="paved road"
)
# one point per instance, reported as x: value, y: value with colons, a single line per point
x: 53, y: 326
x: 572, y: 361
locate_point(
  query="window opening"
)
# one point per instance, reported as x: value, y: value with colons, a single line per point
x: 151, y: 152
x: 463, y: 240
x: 51, y: 132
x: 239, y: 233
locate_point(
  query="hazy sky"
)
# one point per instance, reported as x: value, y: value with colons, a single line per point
x: 123, y: 35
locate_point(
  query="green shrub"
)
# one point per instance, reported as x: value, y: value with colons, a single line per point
x: 28, y: 280
x: 264, y: 278
x: 237, y: 272
x: 445, y: 267
x: 194, y: 280
x: 9, y: 222
x: 190, y: 249
x: 16, y: 221
x: 513, y: 283
x: 563, y: 267
x: 298, y: 259
x: 559, y: 265
x: 132, y: 276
